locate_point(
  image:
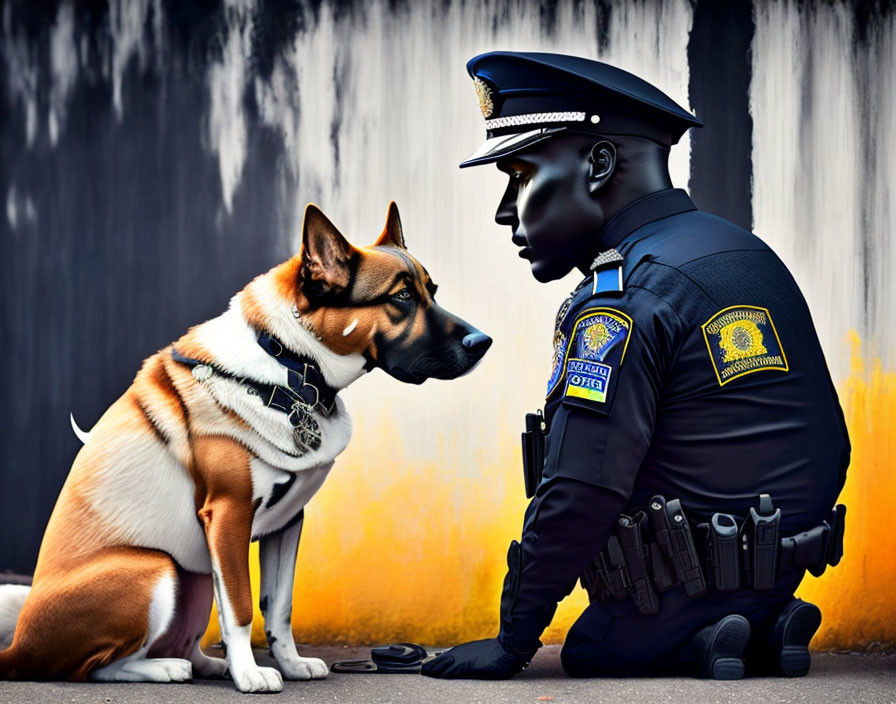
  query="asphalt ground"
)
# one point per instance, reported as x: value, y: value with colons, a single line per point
x: 834, y: 679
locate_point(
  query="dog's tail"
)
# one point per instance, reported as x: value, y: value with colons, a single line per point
x: 12, y: 599
x: 82, y: 435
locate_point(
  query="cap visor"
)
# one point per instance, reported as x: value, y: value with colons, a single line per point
x: 505, y: 145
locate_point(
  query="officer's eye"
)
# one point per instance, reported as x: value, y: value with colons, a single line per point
x: 403, y: 295
x: 517, y: 176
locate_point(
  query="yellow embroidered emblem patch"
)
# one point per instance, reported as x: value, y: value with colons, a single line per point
x: 742, y: 340
x: 484, y: 93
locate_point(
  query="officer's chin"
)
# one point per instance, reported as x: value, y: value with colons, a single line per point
x: 543, y: 272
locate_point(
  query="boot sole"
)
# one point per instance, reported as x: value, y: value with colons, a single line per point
x: 724, y: 656
x: 799, y: 629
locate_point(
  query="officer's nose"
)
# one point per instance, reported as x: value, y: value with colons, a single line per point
x: 506, y: 213
x: 476, y: 343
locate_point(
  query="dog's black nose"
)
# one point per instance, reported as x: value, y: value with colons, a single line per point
x: 476, y: 343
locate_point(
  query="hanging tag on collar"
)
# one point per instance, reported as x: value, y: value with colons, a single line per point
x: 607, y: 272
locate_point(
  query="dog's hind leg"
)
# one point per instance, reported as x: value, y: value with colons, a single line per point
x: 205, y: 666
x: 277, y: 554
x: 181, y: 640
x: 12, y: 598
x: 88, y: 614
x: 133, y: 669
x: 136, y: 667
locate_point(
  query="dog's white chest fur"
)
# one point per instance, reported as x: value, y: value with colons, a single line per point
x: 284, y: 477
x: 281, y: 495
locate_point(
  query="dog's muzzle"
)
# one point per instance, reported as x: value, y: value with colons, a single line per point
x: 448, y: 363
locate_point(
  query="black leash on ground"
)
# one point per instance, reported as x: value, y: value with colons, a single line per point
x: 397, y: 658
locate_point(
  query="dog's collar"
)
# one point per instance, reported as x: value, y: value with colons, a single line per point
x: 304, y: 375
x: 305, y: 384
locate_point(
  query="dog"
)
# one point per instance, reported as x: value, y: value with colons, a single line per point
x: 222, y: 439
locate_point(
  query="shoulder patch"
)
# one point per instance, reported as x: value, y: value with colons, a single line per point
x: 597, y: 345
x: 742, y: 340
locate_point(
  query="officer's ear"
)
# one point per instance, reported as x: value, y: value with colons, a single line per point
x: 602, y: 165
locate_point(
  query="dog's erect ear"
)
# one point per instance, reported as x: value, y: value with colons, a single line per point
x: 392, y: 234
x: 326, y: 255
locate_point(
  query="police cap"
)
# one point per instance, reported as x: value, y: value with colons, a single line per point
x: 527, y: 97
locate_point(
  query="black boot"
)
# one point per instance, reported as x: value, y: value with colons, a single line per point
x: 790, y: 637
x: 718, y: 650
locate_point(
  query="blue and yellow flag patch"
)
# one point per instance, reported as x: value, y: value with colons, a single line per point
x: 588, y: 380
x: 742, y: 340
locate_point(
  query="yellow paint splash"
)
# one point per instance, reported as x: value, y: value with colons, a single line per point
x: 398, y: 551
x: 857, y: 597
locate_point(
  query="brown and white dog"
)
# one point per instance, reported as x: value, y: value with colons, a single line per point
x: 196, y: 460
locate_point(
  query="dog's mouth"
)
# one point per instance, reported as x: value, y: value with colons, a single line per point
x: 404, y: 375
x: 445, y: 364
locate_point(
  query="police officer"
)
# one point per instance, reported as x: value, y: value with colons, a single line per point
x: 694, y: 444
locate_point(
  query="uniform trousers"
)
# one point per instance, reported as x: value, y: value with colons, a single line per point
x: 613, y: 639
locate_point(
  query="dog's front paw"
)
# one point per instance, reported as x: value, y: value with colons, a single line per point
x: 304, y: 669
x: 258, y: 679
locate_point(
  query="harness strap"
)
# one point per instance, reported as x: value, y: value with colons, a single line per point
x: 305, y: 383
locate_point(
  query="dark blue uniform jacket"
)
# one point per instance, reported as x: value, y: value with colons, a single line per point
x: 702, y: 380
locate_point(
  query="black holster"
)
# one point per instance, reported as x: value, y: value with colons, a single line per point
x: 533, y: 452
x: 611, y: 569
x: 673, y: 533
x: 631, y: 532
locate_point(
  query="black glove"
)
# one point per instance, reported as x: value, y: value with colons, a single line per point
x: 492, y: 658
x: 565, y: 524
x: 479, y: 660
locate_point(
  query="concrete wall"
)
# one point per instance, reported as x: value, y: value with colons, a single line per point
x: 154, y: 156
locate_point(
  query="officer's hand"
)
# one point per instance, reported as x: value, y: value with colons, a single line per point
x: 479, y: 660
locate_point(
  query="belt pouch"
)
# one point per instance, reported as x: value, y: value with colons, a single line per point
x: 808, y: 549
x: 722, y: 550
x: 636, y: 558
x: 761, y: 532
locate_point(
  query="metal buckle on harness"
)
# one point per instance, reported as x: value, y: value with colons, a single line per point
x: 305, y: 429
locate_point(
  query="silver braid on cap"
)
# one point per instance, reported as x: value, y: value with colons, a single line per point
x: 534, y: 118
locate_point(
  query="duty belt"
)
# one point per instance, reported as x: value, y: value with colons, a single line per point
x: 658, y: 548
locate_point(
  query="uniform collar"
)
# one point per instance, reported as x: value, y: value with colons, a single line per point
x: 654, y: 206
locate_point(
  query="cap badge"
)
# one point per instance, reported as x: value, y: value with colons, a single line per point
x: 484, y: 93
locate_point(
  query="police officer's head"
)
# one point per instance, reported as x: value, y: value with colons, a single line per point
x: 578, y: 140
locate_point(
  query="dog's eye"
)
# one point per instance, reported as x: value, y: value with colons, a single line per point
x: 403, y: 295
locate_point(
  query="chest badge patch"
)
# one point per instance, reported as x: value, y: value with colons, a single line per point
x: 742, y: 340
x: 599, y: 340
